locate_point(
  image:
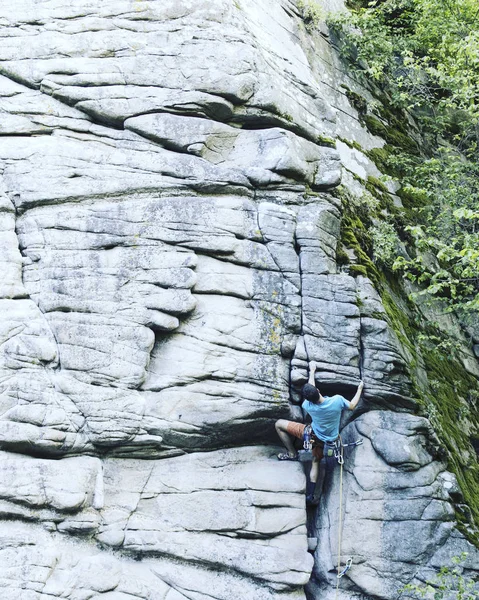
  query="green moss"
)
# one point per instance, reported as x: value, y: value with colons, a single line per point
x: 377, y: 183
x: 342, y: 257
x: 392, y: 135
x: 399, y: 319
x: 355, y: 99
x: 412, y: 198
x: 450, y: 387
x: 354, y: 235
x: 380, y: 157
x: 323, y: 140
x: 351, y: 144
x: 358, y: 270
x: 375, y: 126
x: 377, y: 189
x: 286, y: 117
x: 442, y: 397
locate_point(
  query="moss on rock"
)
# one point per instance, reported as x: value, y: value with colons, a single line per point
x: 392, y: 135
x: 443, y: 388
x: 355, y: 99
x: 323, y: 140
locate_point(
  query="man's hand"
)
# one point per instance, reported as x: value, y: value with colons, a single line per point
x: 312, y: 365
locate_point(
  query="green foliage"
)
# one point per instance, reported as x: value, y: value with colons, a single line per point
x: 450, y: 583
x: 424, y: 56
x: 427, y: 110
x: 449, y: 393
x: 428, y: 48
x: 310, y: 11
x: 447, y: 229
x: 374, y: 241
x: 385, y: 243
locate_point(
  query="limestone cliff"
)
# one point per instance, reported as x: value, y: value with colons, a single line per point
x: 174, y: 177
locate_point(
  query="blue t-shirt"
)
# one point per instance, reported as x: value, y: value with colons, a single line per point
x: 326, y: 416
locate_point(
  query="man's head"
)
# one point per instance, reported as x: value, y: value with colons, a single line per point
x: 310, y: 393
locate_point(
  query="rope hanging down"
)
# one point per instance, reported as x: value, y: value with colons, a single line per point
x: 339, y: 455
x: 341, y: 465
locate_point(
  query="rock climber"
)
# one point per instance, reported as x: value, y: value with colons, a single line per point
x: 325, y: 412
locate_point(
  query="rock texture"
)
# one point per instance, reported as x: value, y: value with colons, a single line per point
x: 168, y: 233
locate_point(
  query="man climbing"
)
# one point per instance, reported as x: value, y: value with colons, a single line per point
x: 325, y: 412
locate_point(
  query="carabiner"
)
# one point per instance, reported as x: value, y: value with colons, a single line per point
x: 349, y: 562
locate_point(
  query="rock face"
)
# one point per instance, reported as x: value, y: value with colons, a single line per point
x: 168, y: 228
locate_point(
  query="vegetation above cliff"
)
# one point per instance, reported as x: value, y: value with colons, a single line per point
x: 424, y: 57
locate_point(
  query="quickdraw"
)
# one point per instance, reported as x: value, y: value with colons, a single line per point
x: 336, y: 449
x: 356, y: 443
x: 346, y: 568
x: 338, y: 452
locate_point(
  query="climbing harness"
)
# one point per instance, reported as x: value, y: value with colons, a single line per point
x: 332, y: 449
x: 308, y: 437
x: 336, y: 448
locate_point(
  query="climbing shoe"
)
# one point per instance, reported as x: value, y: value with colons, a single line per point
x: 287, y: 457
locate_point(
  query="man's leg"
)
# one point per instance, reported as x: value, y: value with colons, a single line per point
x: 313, y: 478
x: 285, y: 437
x: 314, y: 473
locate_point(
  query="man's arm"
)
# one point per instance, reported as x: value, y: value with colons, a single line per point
x: 357, y: 396
x: 311, y: 380
x: 312, y: 371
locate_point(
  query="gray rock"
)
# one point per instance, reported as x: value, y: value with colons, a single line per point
x: 227, y: 517
x: 395, y: 505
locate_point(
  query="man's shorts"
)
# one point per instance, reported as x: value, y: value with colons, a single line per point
x: 297, y: 430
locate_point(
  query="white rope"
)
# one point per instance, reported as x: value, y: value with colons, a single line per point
x: 338, y: 578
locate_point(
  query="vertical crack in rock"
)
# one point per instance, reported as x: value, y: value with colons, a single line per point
x: 295, y: 362
x: 361, y: 350
x: 330, y: 315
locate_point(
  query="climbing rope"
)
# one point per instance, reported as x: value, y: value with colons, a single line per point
x: 341, y: 465
x: 339, y: 456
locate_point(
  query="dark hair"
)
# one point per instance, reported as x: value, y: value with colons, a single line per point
x: 310, y: 393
